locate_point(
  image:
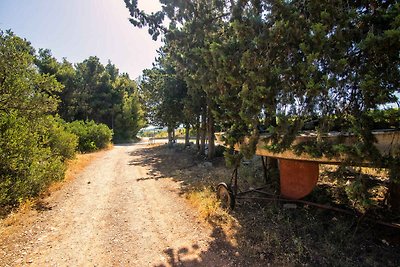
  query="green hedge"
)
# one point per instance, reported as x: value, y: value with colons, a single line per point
x: 32, y: 154
x: 91, y: 136
x: 62, y: 142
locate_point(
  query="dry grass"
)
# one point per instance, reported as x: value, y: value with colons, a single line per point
x: 209, y: 209
x: 338, y: 181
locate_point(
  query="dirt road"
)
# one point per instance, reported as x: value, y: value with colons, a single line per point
x: 116, y: 213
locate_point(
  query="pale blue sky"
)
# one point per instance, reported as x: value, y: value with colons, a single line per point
x: 77, y: 29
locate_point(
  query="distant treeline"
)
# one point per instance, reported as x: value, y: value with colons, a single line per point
x: 92, y: 91
x: 50, y: 109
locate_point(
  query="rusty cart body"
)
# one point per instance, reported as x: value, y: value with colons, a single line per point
x: 299, y: 174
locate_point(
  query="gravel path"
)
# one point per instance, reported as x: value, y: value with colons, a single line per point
x: 114, y: 214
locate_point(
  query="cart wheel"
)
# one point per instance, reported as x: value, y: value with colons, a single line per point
x: 226, y: 196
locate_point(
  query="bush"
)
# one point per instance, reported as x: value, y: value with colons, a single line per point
x: 91, y: 136
x: 61, y: 142
x: 33, y: 146
x: 385, y: 119
x: 27, y: 162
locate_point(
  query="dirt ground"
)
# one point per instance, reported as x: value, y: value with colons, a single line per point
x: 117, y: 212
x: 150, y: 205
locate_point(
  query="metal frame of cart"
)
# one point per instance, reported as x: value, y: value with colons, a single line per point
x: 299, y: 173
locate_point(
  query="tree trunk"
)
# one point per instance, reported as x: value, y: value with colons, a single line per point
x: 203, y: 135
x: 170, y: 136
x: 187, y: 136
x: 394, y: 196
x: 198, y: 133
x: 272, y: 163
x: 211, y: 138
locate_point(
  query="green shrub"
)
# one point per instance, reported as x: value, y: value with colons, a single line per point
x: 27, y: 162
x: 61, y: 142
x: 91, y: 136
x: 385, y: 119
x: 33, y: 145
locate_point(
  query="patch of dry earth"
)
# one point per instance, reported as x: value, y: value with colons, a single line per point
x: 115, y: 213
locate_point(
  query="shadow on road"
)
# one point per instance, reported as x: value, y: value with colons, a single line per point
x: 174, y: 163
x: 219, y: 253
x: 265, y: 232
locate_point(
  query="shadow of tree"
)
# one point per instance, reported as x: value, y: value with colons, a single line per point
x: 219, y: 253
x: 266, y: 233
